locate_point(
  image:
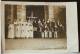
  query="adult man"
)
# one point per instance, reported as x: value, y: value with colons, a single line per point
x: 52, y: 27
x: 35, y: 26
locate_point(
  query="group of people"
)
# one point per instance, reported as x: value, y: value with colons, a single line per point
x: 40, y: 28
x: 46, y: 29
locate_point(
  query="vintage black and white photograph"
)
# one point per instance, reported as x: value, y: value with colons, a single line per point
x: 37, y: 26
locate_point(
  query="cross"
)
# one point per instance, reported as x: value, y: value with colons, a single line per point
x: 31, y: 17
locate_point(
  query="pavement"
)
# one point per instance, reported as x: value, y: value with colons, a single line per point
x: 35, y: 44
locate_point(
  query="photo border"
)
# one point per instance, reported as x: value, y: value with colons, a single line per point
x: 71, y: 26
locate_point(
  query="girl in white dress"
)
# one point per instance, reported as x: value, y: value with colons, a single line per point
x: 46, y: 31
x: 11, y: 31
x: 18, y: 31
x: 23, y: 30
x: 26, y: 30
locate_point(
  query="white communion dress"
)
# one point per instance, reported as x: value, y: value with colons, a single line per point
x: 11, y: 31
x: 18, y: 31
x: 23, y: 30
x: 30, y: 30
x: 26, y: 30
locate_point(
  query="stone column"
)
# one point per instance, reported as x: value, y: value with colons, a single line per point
x: 46, y: 13
x: 12, y: 17
x: 51, y: 17
x: 21, y: 13
x: 11, y: 25
x: 51, y: 12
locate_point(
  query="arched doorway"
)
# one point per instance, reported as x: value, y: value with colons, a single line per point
x: 38, y: 11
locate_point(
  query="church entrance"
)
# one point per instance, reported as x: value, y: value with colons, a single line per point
x: 38, y: 14
x: 34, y: 21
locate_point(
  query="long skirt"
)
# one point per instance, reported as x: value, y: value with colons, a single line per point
x: 46, y: 34
x: 55, y: 34
x: 31, y: 34
x: 26, y: 34
x: 11, y: 31
x: 18, y: 34
x: 11, y: 34
x: 43, y: 34
x: 22, y: 34
x: 50, y: 34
